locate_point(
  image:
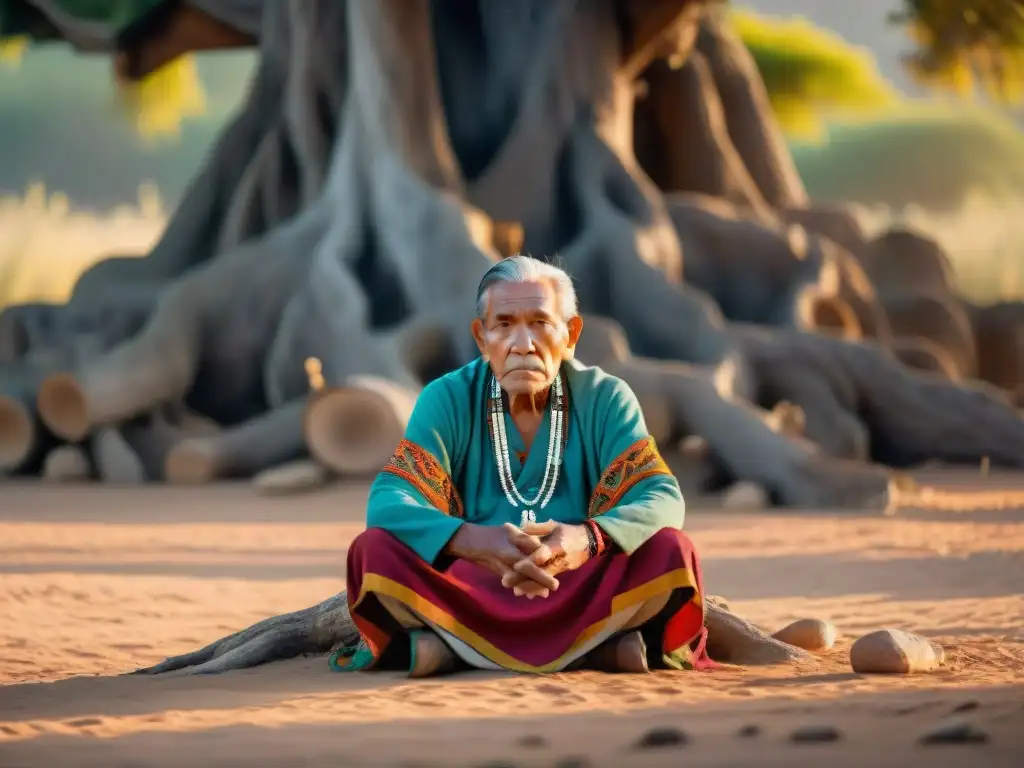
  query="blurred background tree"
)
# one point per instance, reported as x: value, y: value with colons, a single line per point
x: 967, y: 46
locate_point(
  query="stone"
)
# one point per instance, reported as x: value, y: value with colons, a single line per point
x: 662, y: 737
x: 66, y: 464
x: 814, y: 635
x: 955, y: 732
x: 749, y: 731
x: 293, y: 477
x: 893, y: 651
x: 815, y: 734
x: 745, y: 495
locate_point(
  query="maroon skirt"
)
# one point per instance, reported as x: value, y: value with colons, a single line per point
x: 541, y: 635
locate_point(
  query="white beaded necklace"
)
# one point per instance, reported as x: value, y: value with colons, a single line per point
x: 499, y: 440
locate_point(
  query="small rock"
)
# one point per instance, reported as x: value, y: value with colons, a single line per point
x: 749, y: 731
x: 66, y: 464
x: 293, y: 477
x: 893, y: 651
x: 815, y: 734
x: 662, y: 737
x: 532, y: 741
x: 814, y: 635
x: 745, y: 495
x: 958, y: 732
x: 694, y: 446
x: 966, y: 706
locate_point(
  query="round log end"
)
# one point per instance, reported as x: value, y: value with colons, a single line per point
x: 17, y: 433
x: 354, y: 430
x: 191, y: 462
x: 63, y: 407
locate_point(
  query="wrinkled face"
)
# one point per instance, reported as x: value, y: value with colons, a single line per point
x: 524, y: 336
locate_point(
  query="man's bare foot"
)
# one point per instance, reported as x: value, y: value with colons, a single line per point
x: 430, y: 655
x: 626, y: 653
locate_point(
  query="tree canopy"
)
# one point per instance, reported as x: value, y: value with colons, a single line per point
x: 967, y: 46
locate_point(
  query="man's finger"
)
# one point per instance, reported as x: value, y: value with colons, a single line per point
x: 521, y: 540
x: 540, y: 529
x: 534, y: 572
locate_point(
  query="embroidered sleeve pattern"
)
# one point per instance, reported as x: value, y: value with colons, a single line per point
x: 423, y: 472
x: 638, y: 462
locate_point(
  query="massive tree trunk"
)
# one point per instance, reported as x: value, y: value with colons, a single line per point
x: 344, y: 218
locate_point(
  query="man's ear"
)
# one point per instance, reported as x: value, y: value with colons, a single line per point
x: 477, y: 329
x: 575, y: 326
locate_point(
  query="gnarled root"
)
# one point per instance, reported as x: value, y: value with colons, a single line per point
x: 251, y: 447
x: 703, y: 401
x: 355, y: 428
x: 925, y: 355
x: 328, y: 625
x: 318, y: 629
x: 681, y: 137
x: 752, y: 125
x: 734, y: 640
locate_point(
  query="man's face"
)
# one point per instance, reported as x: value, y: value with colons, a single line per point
x: 524, y: 336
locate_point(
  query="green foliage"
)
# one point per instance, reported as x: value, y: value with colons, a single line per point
x: 967, y: 45
x: 158, y: 105
x: 932, y: 155
x: 811, y: 73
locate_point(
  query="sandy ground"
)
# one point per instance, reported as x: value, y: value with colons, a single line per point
x: 98, y: 581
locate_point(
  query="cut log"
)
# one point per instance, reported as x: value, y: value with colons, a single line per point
x: 354, y: 429
x: 263, y: 442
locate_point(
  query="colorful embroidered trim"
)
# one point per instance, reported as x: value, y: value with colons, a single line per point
x: 420, y: 469
x: 641, y: 460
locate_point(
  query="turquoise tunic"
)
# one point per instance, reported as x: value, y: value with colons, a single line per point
x: 444, y: 473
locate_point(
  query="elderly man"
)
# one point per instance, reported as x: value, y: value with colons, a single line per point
x: 526, y: 521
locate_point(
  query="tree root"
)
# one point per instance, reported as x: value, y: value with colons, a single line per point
x: 317, y: 629
x: 752, y: 125
x: 700, y: 400
x: 328, y: 625
x: 682, y: 140
x: 734, y: 640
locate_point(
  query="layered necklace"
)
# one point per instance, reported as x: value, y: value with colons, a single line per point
x: 557, y: 436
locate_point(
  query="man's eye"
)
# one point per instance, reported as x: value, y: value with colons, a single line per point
x: 502, y: 324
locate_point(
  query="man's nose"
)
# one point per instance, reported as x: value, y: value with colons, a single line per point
x: 522, y: 342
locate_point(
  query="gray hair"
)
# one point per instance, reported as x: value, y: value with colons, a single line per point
x: 526, y: 269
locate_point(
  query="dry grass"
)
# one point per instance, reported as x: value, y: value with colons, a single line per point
x: 45, y: 245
